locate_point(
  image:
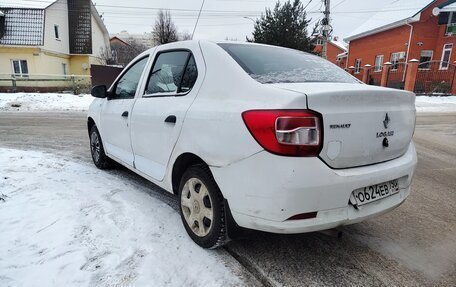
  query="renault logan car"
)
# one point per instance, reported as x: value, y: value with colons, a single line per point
x: 256, y: 137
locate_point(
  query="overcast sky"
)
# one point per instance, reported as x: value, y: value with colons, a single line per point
x: 224, y: 18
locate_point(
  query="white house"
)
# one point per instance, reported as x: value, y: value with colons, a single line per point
x: 50, y: 38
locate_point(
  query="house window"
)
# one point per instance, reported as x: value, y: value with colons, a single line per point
x: 19, y: 67
x: 446, y: 55
x: 425, y: 59
x: 452, y: 18
x: 56, y: 32
x: 451, y: 26
x: 64, y: 68
x: 378, y: 63
x: 396, y: 58
x: 319, y: 42
x: 357, y: 66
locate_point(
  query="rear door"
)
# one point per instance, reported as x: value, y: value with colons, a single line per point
x: 158, y: 114
x: 116, y: 111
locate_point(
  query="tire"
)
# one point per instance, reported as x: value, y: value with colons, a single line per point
x: 100, y: 159
x: 196, y: 210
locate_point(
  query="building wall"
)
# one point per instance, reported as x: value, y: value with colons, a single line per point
x: 332, y: 52
x: 383, y: 43
x: 17, y: 53
x: 44, y: 65
x: 38, y: 60
x: 100, y: 40
x: 57, y: 14
x: 441, y: 41
x: 80, y: 65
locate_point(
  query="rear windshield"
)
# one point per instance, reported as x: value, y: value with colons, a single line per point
x: 268, y: 64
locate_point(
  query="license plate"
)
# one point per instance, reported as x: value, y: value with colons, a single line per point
x: 372, y: 193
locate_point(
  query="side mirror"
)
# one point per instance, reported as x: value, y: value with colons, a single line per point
x: 99, y: 91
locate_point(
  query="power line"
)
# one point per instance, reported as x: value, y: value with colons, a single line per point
x: 201, y: 25
x: 308, y: 3
x: 338, y: 4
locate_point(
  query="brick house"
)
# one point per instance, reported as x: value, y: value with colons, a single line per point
x: 337, y: 51
x: 411, y: 29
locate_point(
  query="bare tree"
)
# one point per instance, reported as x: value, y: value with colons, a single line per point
x: 105, y: 57
x: 231, y: 39
x: 164, y: 30
x: 122, y: 52
x: 185, y: 36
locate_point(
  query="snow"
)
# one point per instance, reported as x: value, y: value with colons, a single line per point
x: 64, y: 223
x: 449, y: 8
x: 44, y: 102
x: 29, y: 4
x: 340, y: 44
x: 435, y: 104
x: 395, y: 11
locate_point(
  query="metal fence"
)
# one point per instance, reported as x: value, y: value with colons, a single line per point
x: 44, y: 83
x: 396, y: 76
x: 374, y: 78
x: 435, y: 78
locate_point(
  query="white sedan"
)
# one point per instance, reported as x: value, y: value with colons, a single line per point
x: 256, y: 137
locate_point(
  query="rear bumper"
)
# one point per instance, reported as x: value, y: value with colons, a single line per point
x: 265, y: 190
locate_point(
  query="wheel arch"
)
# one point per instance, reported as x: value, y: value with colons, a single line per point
x: 90, y: 124
x: 181, y: 164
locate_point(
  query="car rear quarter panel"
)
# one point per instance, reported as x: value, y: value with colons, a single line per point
x: 213, y: 128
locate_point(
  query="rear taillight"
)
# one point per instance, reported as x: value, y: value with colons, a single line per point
x: 286, y: 132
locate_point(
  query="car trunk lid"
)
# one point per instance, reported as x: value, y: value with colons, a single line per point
x: 362, y: 124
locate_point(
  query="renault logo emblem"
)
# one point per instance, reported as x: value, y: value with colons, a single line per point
x: 386, y: 121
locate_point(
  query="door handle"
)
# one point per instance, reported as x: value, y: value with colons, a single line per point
x: 170, y: 119
x: 125, y: 114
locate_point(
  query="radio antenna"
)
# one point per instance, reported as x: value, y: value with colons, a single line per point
x: 199, y: 14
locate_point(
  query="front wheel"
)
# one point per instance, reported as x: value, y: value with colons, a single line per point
x: 100, y: 159
x: 202, y: 207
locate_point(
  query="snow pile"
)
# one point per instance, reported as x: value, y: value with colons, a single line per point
x: 426, y: 104
x: 68, y: 224
x: 44, y: 102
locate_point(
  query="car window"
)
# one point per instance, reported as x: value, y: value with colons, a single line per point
x: 128, y: 83
x: 169, y: 71
x: 190, y: 76
x: 268, y: 64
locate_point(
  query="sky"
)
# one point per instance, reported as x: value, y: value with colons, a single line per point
x: 222, y: 19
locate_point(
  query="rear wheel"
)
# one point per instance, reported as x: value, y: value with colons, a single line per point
x: 202, y: 207
x: 100, y: 159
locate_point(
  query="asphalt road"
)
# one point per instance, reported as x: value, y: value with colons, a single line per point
x: 415, y: 245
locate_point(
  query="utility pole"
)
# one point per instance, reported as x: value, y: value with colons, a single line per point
x: 326, y: 27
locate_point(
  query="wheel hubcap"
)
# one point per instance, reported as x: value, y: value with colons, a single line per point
x: 95, y: 146
x: 196, y: 207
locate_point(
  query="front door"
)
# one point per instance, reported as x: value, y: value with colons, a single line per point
x: 158, y: 115
x: 115, y: 113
